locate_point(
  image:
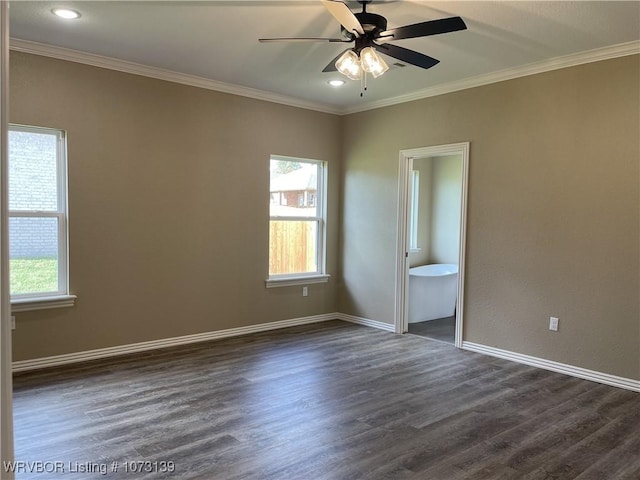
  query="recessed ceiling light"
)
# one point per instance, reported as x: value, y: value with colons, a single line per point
x: 336, y: 83
x: 66, y: 13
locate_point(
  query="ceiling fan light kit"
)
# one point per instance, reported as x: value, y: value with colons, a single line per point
x: 372, y: 62
x: 369, y: 32
x: 349, y: 65
x: 356, y: 67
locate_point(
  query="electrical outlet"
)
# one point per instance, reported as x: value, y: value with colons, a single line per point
x: 305, y: 291
x: 553, y: 323
x: 13, y: 322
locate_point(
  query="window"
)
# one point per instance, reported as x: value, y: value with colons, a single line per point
x: 415, y: 203
x: 37, y: 215
x: 297, y: 221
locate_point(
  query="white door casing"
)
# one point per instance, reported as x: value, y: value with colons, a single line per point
x: 402, y: 243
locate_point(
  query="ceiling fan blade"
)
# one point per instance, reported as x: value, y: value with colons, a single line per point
x: 344, y: 15
x: 424, y: 29
x: 406, y: 55
x: 331, y: 67
x: 302, y: 40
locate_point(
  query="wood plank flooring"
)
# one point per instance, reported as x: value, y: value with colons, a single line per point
x: 443, y: 329
x: 330, y: 401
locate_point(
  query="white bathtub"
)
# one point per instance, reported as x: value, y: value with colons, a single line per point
x: 433, y: 291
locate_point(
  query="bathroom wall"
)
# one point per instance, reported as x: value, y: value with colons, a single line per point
x: 446, y: 191
x: 439, y: 210
x: 421, y: 257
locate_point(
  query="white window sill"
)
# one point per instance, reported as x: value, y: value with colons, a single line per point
x: 292, y: 281
x: 415, y: 250
x: 42, y: 303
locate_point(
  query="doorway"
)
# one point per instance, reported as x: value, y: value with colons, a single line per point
x: 432, y: 207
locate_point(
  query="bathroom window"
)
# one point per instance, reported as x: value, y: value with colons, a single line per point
x: 37, y: 218
x: 415, y: 202
x: 296, y: 224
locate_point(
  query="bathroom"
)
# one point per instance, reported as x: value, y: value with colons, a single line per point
x: 434, y: 245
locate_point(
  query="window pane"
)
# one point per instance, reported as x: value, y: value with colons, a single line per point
x: 32, y: 171
x: 33, y: 254
x: 294, y: 189
x: 292, y: 247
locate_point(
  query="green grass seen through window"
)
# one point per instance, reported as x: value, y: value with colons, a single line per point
x: 33, y: 275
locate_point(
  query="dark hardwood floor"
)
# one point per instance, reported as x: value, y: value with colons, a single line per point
x: 442, y: 329
x: 331, y: 401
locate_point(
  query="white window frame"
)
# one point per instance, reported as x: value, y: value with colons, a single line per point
x: 320, y: 275
x: 415, y: 205
x: 61, y: 297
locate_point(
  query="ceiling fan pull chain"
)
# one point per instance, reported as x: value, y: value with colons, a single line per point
x: 363, y: 83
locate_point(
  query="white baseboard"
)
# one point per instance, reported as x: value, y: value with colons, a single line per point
x: 605, y: 378
x: 56, y: 360
x: 366, y: 322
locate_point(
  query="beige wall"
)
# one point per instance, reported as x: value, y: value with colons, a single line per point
x: 168, y: 195
x: 553, y: 210
x: 158, y: 249
x: 446, y: 201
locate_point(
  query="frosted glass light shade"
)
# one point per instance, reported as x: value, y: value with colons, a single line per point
x: 372, y: 63
x: 349, y: 65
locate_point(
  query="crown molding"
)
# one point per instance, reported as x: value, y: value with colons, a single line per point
x: 605, y: 53
x: 94, y: 60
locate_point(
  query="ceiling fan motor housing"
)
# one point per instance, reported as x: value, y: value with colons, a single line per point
x: 371, y: 24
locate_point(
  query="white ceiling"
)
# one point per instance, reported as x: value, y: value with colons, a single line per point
x: 218, y: 40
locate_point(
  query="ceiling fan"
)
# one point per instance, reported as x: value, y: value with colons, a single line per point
x: 370, y: 34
